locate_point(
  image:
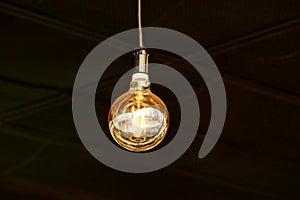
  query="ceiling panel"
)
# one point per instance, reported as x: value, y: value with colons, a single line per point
x: 209, y: 22
x: 245, y: 152
x: 40, y: 55
x: 273, y: 61
x: 14, y: 96
x: 256, y: 47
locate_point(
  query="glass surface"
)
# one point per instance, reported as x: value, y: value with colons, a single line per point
x: 138, y: 120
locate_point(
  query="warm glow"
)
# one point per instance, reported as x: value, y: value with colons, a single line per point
x: 138, y: 121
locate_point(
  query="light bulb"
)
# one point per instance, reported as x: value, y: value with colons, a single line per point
x: 138, y: 120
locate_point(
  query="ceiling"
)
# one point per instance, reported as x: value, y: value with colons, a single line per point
x: 255, y: 45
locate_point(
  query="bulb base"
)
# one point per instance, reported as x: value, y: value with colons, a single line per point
x: 141, y: 60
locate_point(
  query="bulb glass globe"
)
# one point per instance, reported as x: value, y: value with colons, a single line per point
x: 138, y: 120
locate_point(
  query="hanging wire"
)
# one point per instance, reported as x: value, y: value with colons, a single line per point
x: 140, y: 24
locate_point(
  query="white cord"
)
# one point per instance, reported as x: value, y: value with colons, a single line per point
x: 140, y: 24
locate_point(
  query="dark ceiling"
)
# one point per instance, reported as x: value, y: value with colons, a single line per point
x: 256, y: 46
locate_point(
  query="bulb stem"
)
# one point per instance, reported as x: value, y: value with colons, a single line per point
x: 141, y: 61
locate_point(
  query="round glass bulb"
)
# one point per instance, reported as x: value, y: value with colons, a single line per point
x: 138, y: 120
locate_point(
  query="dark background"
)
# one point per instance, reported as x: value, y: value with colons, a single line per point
x: 255, y: 45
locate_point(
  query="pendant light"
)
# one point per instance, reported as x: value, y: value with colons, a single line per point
x: 139, y: 120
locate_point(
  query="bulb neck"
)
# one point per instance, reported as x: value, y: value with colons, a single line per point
x: 141, y: 60
x: 140, y: 81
